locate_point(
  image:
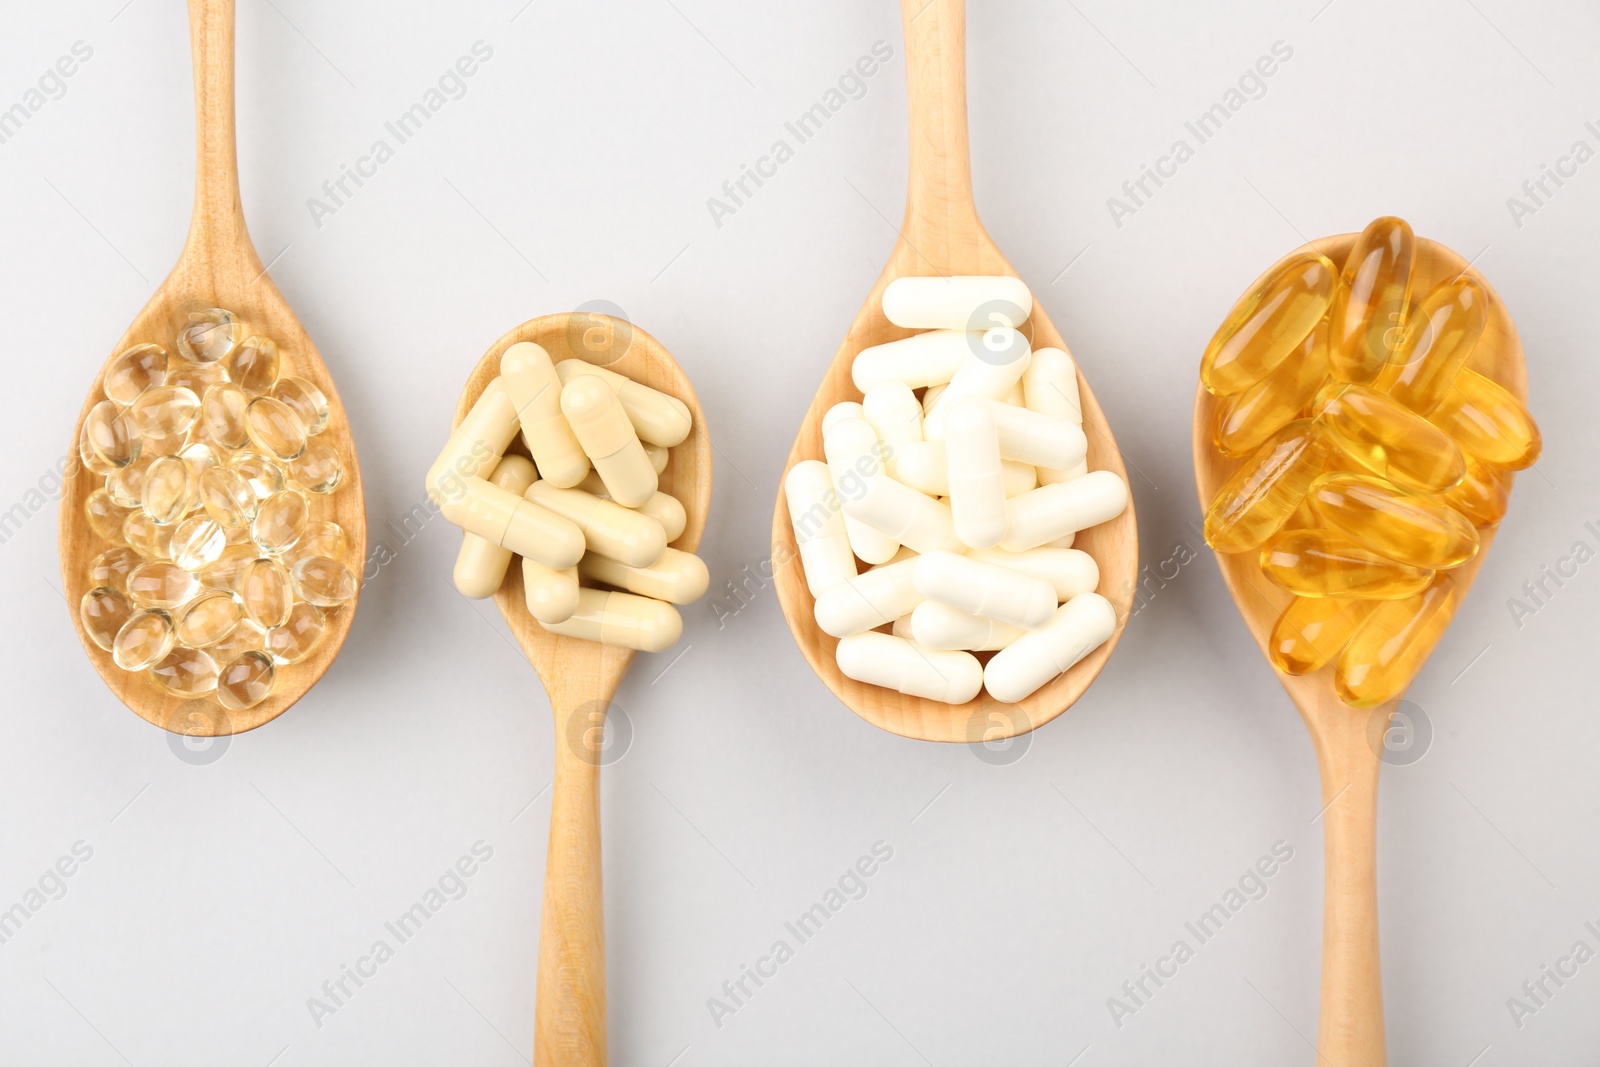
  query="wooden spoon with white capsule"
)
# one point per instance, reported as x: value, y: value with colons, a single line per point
x: 1349, y: 743
x: 218, y: 268
x: 941, y: 235
x: 581, y: 677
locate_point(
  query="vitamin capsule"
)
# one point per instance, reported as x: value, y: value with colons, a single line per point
x: 920, y: 361
x: 905, y: 667
x: 922, y: 466
x: 253, y: 366
x: 658, y: 418
x: 609, y: 440
x: 195, y: 377
x: 1038, y: 440
x: 1050, y: 386
x: 1052, y: 511
x: 961, y: 302
x: 930, y: 397
x: 1077, y: 628
x: 113, y: 435
x: 990, y: 372
x: 325, y: 583
x: 317, y: 469
x: 245, y: 637
x: 1406, y: 527
x: 1265, y: 490
x: 112, y: 567
x: 855, y: 457
x: 534, y: 389
x: 105, y: 518
x: 935, y: 625
x: 1439, y: 338
x: 1313, y: 630
x: 197, y: 542
x: 894, y: 414
x: 1482, y: 494
x: 606, y: 527
x: 521, y: 525
x: 166, y: 493
x: 816, y: 515
x: 266, y: 592
x: 274, y: 428
x: 984, y: 589
x: 659, y: 456
x: 133, y: 371
x: 145, y: 537
x: 227, y: 498
x: 144, y: 640
x: 1392, y: 645
x: 1068, y: 571
x: 199, y: 458
x: 1268, y: 323
x: 298, y: 637
x: 1245, y: 420
x: 222, y: 415
x: 303, y: 398
x: 977, y: 487
x: 622, y: 619
x: 208, y: 618
x: 104, y: 612
x: 551, y: 595
x: 913, y: 519
x: 280, y: 520
x: 161, y: 584
x: 869, y: 600
x: 1484, y: 418
x: 481, y: 564
x: 185, y: 672
x: 677, y: 577
x: 88, y: 458
x: 1391, y: 441
x: 475, y: 446
x: 163, y: 414
x: 1368, y: 314
x: 1321, y: 563
x: 262, y: 473
x: 125, y: 485
x: 245, y: 681
x: 208, y: 336
x: 662, y: 507
x: 224, y: 574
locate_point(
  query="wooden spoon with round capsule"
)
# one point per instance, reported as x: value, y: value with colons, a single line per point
x: 1350, y: 743
x: 218, y: 268
x: 580, y: 678
x: 941, y: 235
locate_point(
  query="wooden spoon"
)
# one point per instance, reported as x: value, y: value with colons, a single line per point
x: 581, y: 677
x: 218, y: 268
x: 941, y: 235
x: 1349, y: 743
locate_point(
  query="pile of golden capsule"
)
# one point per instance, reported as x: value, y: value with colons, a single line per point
x: 219, y: 568
x: 1373, y: 456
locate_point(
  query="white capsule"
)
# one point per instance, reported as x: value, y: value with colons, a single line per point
x: 990, y: 373
x: 868, y: 600
x: 510, y: 521
x: 891, y: 409
x: 551, y: 595
x: 1064, y: 541
x: 1050, y: 385
x: 624, y: 619
x: 986, y: 590
x: 1067, y: 570
x: 935, y: 625
x: 919, y: 361
x: 677, y: 577
x: 535, y: 391
x: 658, y: 418
x: 913, y: 519
x: 1039, y: 440
x: 898, y: 664
x: 855, y: 457
x: 922, y: 466
x: 1053, y: 475
x: 818, y: 522
x: 963, y: 302
x: 481, y: 564
x: 608, y: 528
x: 902, y: 625
x: 475, y: 446
x: 973, y: 466
x: 930, y: 397
x: 845, y: 409
x: 1051, y: 511
x: 1081, y: 625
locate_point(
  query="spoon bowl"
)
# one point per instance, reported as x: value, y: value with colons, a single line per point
x: 218, y: 267
x: 580, y: 678
x: 1349, y: 742
x: 941, y: 235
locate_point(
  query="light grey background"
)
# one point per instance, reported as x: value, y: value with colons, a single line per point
x: 1026, y: 884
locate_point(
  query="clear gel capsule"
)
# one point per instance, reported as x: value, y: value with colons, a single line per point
x: 1440, y: 336
x: 327, y: 583
x: 298, y: 637
x: 164, y: 414
x: 144, y: 640
x: 302, y: 397
x: 1392, y: 645
x: 551, y: 595
x: 622, y: 619
x: 1368, y: 314
x: 266, y: 592
x: 104, y: 516
x: 167, y: 492
x: 199, y: 458
x: 186, y: 673
x: 1313, y: 630
x: 658, y: 418
x: 253, y: 366
x: 227, y: 497
x: 245, y: 681
x: 280, y: 520
x: 1321, y: 563
x: 1245, y: 420
x: 245, y: 637
x: 1484, y: 418
x: 113, y: 435
x: 274, y: 428
x: 1389, y: 440
x: 1077, y: 628
x: 677, y: 577
x: 1403, y: 526
x: 104, y: 612
x: 322, y: 537
x: 126, y: 484
x: 895, y: 663
x: 209, y: 618
x: 317, y: 469
x: 1051, y: 511
x: 533, y: 389
x: 261, y: 473
x: 1268, y: 323
x: 88, y: 457
x: 112, y: 567
x: 208, y: 336
x: 133, y: 371
x: 957, y: 302
x: 161, y: 584
x: 222, y: 415
x: 197, y: 542
x: 984, y: 589
x: 608, y: 439
x: 147, y: 538
x: 817, y: 518
x: 195, y: 377
x: 224, y: 574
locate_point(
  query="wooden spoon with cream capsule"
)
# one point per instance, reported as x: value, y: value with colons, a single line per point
x: 941, y: 235
x: 218, y: 268
x: 1349, y: 742
x: 581, y: 677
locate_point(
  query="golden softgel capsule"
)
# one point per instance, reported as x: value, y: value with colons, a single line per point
x: 1320, y: 563
x: 1368, y: 312
x: 1247, y: 419
x: 1391, y: 441
x: 1266, y: 489
x: 1482, y: 494
x: 1487, y: 421
x: 1439, y: 339
x: 1268, y: 323
x: 1393, y: 644
x: 1313, y: 630
x: 1405, y: 527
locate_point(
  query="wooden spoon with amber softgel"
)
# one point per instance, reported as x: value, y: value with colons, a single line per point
x: 1349, y: 742
x: 218, y: 268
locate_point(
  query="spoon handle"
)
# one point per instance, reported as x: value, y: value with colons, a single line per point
x: 939, y: 204
x: 1351, y: 1018
x: 570, y: 1006
x: 217, y: 225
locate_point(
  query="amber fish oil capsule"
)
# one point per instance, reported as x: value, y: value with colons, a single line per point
x: 1268, y: 323
x: 1313, y: 630
x: 1320, y: 563
x: 1393, y: 644
x: 1389, y: 440
x: 1245, y: 420
x: 1484, y: 418
x: 1368, y: 313
x: 1403, y: 526
x: 1440, y: 336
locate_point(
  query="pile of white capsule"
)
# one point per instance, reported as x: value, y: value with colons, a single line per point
x: 586, y: 514
x: 962, y: 502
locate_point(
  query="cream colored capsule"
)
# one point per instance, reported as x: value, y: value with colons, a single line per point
x: 923, y: 360
x: 677, y: 577
x: 914, y: 519
x: 510, y: 521
x: 868, y: 600
x: 662, y: 507
x: 977, y: 484
x: 986, y: 590
x: 1053, y: 475
x: 922, y: 466
x: 608, y: 528
x: 1068, y: 571
x: 818, y: 521
x: 551, y: 595
x: 608, y: 439
x: 1052, y: 511
x: 905, y: 667
x: 1079, y: 626
x: 535, y: 391
x: 935, y: 625
x: 659, y: 454
x: 894, y: 414
x: 962, y: 302
x: 1038, y: 440
x: 930, y: 397
x: 623, y: 619
x: 475, y: 446
x: 658, y: 418
x: 481, y: 564
x: 855, y: 457
x: 1050, y: 385
x: 997, y: 364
